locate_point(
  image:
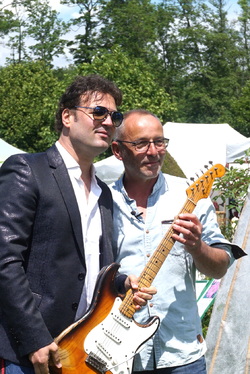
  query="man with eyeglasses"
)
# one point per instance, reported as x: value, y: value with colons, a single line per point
x: 146, y: 202
x: 56, y: 229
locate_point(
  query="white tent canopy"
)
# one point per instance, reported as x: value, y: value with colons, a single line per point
x: 192, y: 145
x: 7, y: 150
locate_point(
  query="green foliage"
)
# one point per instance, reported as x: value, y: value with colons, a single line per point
x: 34, y: 19
x: 240, y: 110
x: 232, y: 188
x: 7, y: 20
x: 129, y: 24
x: 46, y: 29
x: 136, y: 80
x: 86, y: 43
x: 234, y: 184
x: 28, y: 97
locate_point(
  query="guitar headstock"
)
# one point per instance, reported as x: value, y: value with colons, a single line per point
x: 201, y: 188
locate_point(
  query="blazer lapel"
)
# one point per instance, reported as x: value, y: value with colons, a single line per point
x: 64, y: 184
x: 106, y: 210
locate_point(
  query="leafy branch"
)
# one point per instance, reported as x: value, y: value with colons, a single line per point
x: 232, y: 188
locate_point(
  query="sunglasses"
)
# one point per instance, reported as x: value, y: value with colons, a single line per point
x: 100, y: 113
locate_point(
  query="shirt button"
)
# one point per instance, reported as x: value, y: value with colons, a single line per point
x: 80, y: 276
x: 148, y: 254
x: 74, y: 306
x: 147, y: 231
x: 151, y: 305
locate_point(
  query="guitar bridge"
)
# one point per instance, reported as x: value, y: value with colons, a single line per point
x: 97, y: 363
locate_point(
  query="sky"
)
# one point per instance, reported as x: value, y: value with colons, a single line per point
x: 66, y: 12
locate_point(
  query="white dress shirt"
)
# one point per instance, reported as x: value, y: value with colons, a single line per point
x: 91, y: 226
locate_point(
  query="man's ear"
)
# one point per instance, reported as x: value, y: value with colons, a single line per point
x: 116, y: 150
x: 66, y: 117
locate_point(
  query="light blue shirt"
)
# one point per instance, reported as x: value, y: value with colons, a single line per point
x: 178, y: 340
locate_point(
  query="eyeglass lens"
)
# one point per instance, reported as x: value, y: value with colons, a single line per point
x: 159, y: 144
x: 100, y: 113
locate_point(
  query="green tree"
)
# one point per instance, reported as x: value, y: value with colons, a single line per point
x: 7, y: 20
x: 232, y: 188
x: 46, y: 29
x: 207, y: 91
x: 244, y: 22
x: 240, y: 111
x: 28, y: 95
x: 86, y: 43
x: 34, y: 19
x: 16, y: 41
x: 169, y: 62
x: 131, y: 24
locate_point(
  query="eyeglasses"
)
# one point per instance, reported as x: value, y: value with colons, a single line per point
x: 100, y: 113
x: 143, y: 145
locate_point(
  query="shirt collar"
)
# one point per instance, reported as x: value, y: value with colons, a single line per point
x: 71, y: 164
x: 156, y: 187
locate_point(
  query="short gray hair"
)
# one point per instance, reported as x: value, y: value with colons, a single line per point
x: 119, y: 132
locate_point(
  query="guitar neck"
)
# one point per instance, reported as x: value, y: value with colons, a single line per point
x: 154, y: 264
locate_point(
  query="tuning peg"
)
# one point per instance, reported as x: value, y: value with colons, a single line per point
x: 192, y: 179
x: 197, y: 175
x: 202, y: 172
x: 206, y: 166
x: 210, y: 162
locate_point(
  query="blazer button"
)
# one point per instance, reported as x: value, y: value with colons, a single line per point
x: 74, y: 306
x: 81, y: 276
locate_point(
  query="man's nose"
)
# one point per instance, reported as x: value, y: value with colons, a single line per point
x: 152, y: 149
x: 107, y: 121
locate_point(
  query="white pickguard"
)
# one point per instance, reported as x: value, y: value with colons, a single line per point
x: 114, y: 342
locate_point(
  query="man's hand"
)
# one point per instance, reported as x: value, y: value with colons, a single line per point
x: 140, y: 295
x: 211, y: 261
x: 190, y: 229
x: 40, y: 359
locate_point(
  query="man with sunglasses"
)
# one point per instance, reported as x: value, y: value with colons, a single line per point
x: 56, y: 229
x: 146, y: 202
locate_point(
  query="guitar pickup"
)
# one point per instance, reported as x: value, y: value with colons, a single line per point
x: 112, y: 336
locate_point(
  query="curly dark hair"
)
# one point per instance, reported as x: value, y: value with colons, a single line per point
x: 85, y: 85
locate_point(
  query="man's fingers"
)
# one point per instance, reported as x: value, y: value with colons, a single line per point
x: 55, y: 358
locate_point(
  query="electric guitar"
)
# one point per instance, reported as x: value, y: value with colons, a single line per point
x: 106, y: 338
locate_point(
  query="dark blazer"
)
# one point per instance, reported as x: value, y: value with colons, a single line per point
x: 42, y: 266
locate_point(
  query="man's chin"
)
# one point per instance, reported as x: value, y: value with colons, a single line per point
x: 150, y: 174
x: 102, y: 146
